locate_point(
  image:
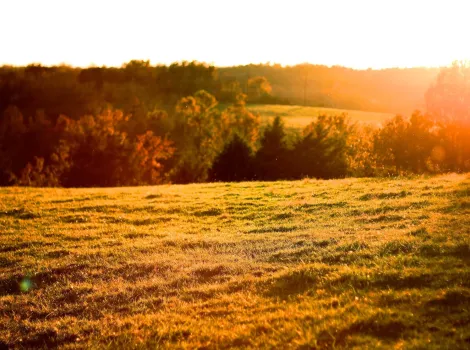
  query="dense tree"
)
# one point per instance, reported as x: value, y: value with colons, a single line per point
x: 448, y: 98
x: 362, y: 159
x: 258, y: 88
x: 448, y: 102
x: 239, y: 120
x: 185, y: 79
x: 272, y: 156
x: 388, y: 90
x: 198, y: 135
x: 420, y: 138
x: 230, y: 90
x: 101, y: 154
x: 234, y: 163
x: 389, y: 145
x: 53, y: 90
x: 453, y: 150
x: 406, y: 145
x: 12, y: 130
x: 26, y: 142
x: 323, y: 150
x: 59, y: 125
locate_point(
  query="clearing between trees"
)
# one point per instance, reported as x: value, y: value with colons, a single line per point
x: 298, y: 117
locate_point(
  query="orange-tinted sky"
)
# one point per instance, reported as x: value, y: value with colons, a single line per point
x: 358, y: 34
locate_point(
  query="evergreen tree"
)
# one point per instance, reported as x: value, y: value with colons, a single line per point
x: 234, y: 163
x: 323, y: 150
x: 271, y: 158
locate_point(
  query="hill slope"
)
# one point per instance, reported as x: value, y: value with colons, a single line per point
x: 364, y: 262
x: 387, y: 90
x: 300, y: 116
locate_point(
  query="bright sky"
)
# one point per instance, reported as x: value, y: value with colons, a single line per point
x: 352, y: 33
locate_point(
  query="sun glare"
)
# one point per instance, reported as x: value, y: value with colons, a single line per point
x: 160, y: 188
x: 358, y: 34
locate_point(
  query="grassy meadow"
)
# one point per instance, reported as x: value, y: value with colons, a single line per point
x: 365, y: 263
x: 299, y: 117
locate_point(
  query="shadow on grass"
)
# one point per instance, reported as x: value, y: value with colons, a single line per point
x: 398, y: 281
x: 46, y: 338
x: 22, y: 214
x: 309, y: 207
x: 459, y: 199
x: 274, y: 229
x: 209, y: 212
x: 18, y: 284
x: 295, y: 282
x: 300, y: 250
x: 380, y: 326
x: 384, y: 195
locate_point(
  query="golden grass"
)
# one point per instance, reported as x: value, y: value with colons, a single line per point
x: 375, y: 263
x: 299, y: 116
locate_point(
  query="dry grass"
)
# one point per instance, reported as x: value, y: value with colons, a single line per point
x: 307, y: 264
x: 298, y: 117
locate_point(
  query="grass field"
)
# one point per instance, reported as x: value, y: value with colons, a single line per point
x: 299, y: 116
x: 375, y: 263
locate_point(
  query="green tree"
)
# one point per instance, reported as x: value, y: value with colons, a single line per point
x: 421, y: 140
x: 389, y: 145
x: 272, y: 156
x: 234, y: 163
x: 362, y: 159
x: 239, y: 120
x: 323, y: 151
x: 258, y: 87
x: 406, y: 145
x: 198, y: 135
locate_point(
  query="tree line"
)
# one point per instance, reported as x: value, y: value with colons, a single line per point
x: 78, y: 91
x: 393, y: 90
x: 199, y: 139
x: 135, y: 87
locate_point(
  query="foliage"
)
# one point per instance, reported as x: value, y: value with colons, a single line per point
x: 448, y: 101
x: 406, y: 145
x: 241, y: 121
x: 90, y: 151
x: 258, y: 88
x: 396, y: 90
x: 298, y: 117
x: 198, y: 137
x: 149, y: 142
x: 448, y: 98
x: 323, y: 150
x: 272, y: 156
x: 362, y: 160
x: 234, y: 163
x: 452, y: 152
x: 102, y: 154
x: 30, y: 149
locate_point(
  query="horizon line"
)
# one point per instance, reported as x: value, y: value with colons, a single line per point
x: 269, y: 64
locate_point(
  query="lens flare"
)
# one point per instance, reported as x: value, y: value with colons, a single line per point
x: 26, y: 285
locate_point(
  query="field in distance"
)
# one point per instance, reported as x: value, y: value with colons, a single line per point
x: 299, y: 116
x: 376, y: 263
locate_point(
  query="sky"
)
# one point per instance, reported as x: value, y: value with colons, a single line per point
x: 359, y: 34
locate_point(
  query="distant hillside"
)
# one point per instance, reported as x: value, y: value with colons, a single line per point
x: 389, y: 90
x: 139, y: 85
x: 298, y: 117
